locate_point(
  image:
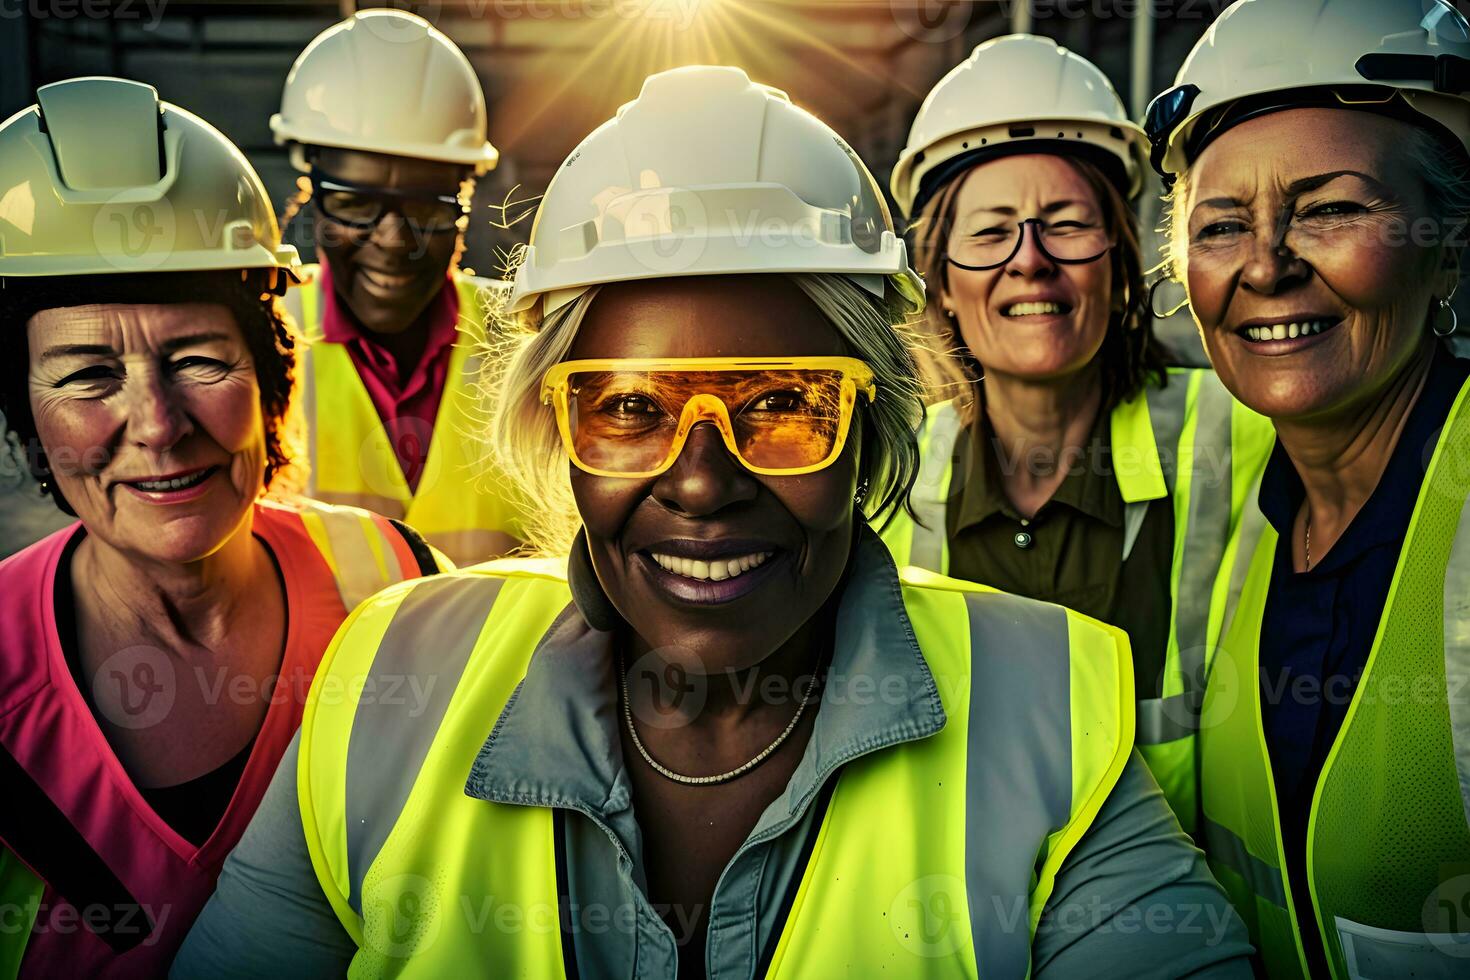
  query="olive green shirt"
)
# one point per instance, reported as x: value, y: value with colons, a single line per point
x: 1069, y: 552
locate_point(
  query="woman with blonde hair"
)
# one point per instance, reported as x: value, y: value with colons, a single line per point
x: 1061, y: 460
x: 724, y: 738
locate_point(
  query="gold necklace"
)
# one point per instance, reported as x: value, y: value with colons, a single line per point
x: 1309, y: 542
x: 723, y: 777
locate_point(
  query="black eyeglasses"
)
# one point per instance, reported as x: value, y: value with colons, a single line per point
x: 362, y: 206
x: 1063, y: 242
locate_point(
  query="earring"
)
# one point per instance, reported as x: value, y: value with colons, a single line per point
x: 39, y: 465
x: 862, y: 492
x: 1444, y: 305
x: 1154, y: 310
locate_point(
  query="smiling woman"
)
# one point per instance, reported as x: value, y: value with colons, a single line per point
x: 1061, y: 460
x: 1318, y: 226
x: 85, y: 332
x: 156, y: 651
x: 723, y: 725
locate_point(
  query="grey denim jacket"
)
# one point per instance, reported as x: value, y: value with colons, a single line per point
x: 1133, y: 899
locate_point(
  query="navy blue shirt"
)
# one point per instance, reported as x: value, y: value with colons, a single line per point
x: 1319, y: 625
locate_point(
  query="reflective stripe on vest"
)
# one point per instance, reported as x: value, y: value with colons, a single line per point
x: 946, y: 893
x: 463, y: 505
x: 1189, y: 441
x: 925, y: 543
x: 364, y: 552
x: 1388, y: 849
x: 1222, y: 447
x: 399, y: 847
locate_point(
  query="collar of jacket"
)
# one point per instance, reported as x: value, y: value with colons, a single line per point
x: 556, y: 743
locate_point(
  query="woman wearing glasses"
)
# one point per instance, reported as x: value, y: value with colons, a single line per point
x: 1060, y: 460
x: 385, y: 116
x: 724, y: 739
x: 1318, y: 221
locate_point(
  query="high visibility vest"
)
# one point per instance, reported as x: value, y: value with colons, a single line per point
x: 1388, y: 849
x: 463, y: 505
x: 82, y: 826
x: 1190, y: 442
x: 400, y: 849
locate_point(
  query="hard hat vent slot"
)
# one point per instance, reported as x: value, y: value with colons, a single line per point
x: 105, y: 133
x: 1020, y: 132
x: 578, y: 240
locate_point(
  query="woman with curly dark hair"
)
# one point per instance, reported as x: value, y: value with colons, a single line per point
x: 1062, y: 461
x: 158, y: 650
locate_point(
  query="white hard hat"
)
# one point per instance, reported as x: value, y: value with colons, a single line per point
x: 1405, y: 58
x: 707, y: 173
x: 1017, y: 94
x: 102, y: 177
x: 385, y: 81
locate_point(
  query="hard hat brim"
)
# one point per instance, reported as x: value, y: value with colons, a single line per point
x: 1062, y: 136
x: 482, y: 159
x: 36, y: 266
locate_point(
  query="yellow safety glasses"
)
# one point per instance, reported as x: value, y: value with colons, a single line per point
x: 778, y: 416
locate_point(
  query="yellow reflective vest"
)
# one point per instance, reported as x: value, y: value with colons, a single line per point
x: 1388, y: 845
x: 463, y: 505
x: 397, y: 844
x: 1188, y: 442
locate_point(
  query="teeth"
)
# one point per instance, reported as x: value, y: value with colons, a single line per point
x: 714, y: 571
x: 386, y: 280
x: 1286, y: 331
x: 1032, y: 309
x: 178, y: 483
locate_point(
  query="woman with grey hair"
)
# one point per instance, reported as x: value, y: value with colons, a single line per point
x: 1317, y: 221
x: 724, y: 738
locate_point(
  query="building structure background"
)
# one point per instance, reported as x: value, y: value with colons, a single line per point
x: 552, y: 70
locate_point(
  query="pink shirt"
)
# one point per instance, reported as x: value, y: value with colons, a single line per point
x: 406, y: 406
x: 49, y: 729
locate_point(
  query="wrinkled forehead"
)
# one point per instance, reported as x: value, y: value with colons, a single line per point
x: 1030, y: 185
x: 129, y: 327
x: 1268, y: 154
x: 705, y: 316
